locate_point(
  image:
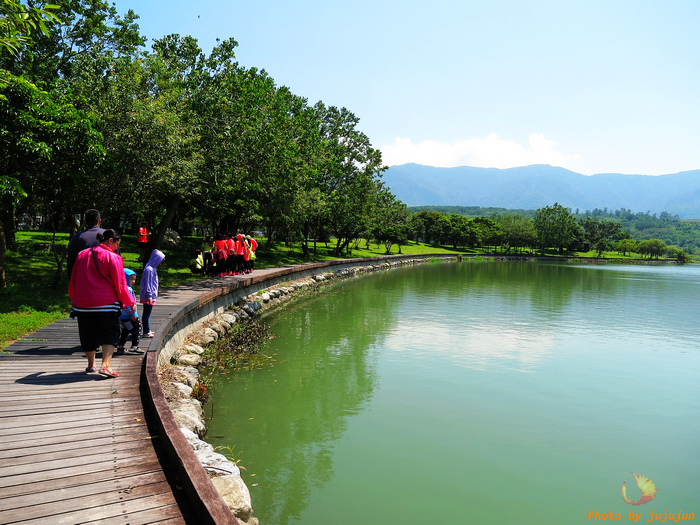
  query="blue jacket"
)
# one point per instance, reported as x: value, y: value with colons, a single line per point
x: 149, y: 278
x: 126, y: 312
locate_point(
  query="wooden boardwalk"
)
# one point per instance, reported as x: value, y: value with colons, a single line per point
x: 75, y: 447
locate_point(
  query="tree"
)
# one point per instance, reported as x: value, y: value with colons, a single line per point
x: 89, y: 32
x: 601, y: 233
x: 462, y: 231
x: 49, y: 148
x: 18, y: 22
x: 10, y: 194
x: 518, y: 231
x: 652, y: 248
x: 349, y: 171
x: 625, y: 246
x: 555, y: 227
x: 390, y: 222
x: 426, y: 226
x: 488, y: 231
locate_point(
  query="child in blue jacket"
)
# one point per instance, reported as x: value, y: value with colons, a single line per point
x: 130, y: 322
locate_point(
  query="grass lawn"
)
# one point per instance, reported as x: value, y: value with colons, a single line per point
x: 30, y: 302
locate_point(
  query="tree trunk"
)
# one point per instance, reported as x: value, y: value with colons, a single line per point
x: 7, y: 218
x: 60, y: 259
x: 157, y: 240
x: 305, y: 242
x: 3, y: 249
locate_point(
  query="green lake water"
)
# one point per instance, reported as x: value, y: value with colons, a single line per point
x: 474, y: 392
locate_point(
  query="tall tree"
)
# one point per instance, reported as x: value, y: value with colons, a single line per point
x: 555, y: 227
x: 89, y: 30
x: 600, y: 233
x: 518, y: 231
x: 50, y: 148
x: 349, y: 173
x: 390, y: 222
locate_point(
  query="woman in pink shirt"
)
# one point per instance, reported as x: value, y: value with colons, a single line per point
x: 98, y: 291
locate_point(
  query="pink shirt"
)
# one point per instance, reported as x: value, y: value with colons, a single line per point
x: 88, y: 288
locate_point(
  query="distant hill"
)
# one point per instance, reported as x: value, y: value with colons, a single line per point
x: 532, y: 187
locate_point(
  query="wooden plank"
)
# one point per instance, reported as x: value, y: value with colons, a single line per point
x: 75, y: 447
x: 76, y: 411
x: 81, y: 478
x: 73, y: 444
x: 162, y: 515
x: 116, y: 484
x: 107, y: 414
x: 108, y: 495
x: 51, y: 402
x: 127, y: 443
x: 99, y: 460
x: 48, y: 434
x: 173, y: 521
x: 154, y: 506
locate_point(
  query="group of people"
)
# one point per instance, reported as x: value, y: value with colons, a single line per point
x: 225, y: 255
x: 102, y: 295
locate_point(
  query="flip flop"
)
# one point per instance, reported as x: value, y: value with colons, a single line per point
x: 91, y: 369
x: 107, y: 373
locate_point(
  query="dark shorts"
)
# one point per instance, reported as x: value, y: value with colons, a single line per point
x: 97, y: 329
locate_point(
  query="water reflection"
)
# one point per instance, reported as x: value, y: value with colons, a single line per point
x: 326, y: 377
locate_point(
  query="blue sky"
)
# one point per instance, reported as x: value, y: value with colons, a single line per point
x: 592, y: 86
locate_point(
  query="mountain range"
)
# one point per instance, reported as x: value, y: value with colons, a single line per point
x: 533, y: 187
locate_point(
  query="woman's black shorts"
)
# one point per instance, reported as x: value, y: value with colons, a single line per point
x: 97, y: 329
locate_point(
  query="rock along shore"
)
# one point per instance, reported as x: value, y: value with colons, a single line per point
x: 180, y: 378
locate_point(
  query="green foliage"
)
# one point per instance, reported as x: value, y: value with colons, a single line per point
x: 18, y: 22
x: 474, y: 211
x: 654, y: 248
x: 518, y: 231
x: 600, y: 233
x: 555, y: 227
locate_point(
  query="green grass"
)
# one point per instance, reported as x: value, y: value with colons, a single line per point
x: 29, y: 302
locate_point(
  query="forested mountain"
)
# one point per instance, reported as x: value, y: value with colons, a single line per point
x: 531, y: 187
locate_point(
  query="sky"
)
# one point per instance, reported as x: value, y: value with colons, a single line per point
x: 607, y: 86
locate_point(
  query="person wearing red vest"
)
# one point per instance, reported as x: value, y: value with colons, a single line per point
x: 240, y: 250
x: 142, y: 240
x: 220, y: 255
x: 252, y: 256
x: 231, y: 252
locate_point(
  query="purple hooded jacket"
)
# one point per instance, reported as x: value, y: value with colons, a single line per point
x: 149, y: 278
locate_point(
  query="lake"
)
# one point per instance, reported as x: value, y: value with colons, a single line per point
x: 483, y: 392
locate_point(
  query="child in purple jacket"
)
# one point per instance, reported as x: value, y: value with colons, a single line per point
x: 148, y: 292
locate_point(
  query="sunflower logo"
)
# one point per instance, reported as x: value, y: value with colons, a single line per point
x: 646, y: 485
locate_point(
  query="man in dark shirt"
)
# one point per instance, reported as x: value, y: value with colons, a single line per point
x: 84, y: 239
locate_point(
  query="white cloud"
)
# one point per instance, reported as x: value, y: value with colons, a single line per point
x: 490, y: 152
